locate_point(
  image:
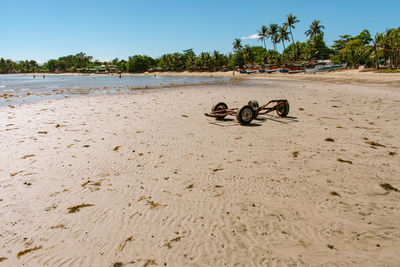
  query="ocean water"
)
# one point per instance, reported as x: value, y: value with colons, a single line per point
x: 25, y: 88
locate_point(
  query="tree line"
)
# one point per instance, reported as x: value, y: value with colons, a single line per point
x: 381, y: 50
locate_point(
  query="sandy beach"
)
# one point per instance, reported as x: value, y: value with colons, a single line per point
x: 145, y: 179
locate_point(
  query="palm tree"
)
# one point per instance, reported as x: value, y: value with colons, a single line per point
x: 377, y: 43
x: 283, y: 35
x: 273, y: 34
x: 290, y: 21
x: 263, y: 33
x: 248, y: 54
x: 314, y: 29
x: 237, y: 45
x: 391, y: 43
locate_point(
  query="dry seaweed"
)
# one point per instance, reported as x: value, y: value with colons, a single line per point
x: 372, y: 143
x: 190, y: 186
x: 123, y: 244
x: 154, y: 205
x: 27, y: 156
x: 93, y: 186
x: 78, y: 207
x: 295, y: 154
x: 392, y: 153
x: 15, y: 173
x: 43, y: 132
x: 3, y: 259
x: 26, y: 251
x: 149, y: 262
x: 176, y: 239
x: 389, y: 187
x: 329, y: 139
x: 59, y: 226
x: 141, y: 198
x: 116, y: 148
x: 333, y: 193
x: 86, y: 183
x: 345, y: 161
x: 217, y: 169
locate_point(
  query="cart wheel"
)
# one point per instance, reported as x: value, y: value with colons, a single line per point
x: 283, y: 109
x: 254, y: 104
x: 245, y: 115
x: 219, y: 106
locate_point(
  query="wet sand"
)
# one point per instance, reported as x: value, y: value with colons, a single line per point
x: 146, y: 179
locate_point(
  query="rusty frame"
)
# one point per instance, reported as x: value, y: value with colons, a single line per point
x: 264, y: 109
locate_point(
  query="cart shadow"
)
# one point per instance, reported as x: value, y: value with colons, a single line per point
x: 250, y: 125
x: 287, y: 119
x: 234, y: 124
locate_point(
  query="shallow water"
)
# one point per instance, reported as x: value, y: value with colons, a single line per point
x: 24, y: 88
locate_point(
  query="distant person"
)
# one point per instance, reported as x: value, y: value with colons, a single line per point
x: 120, y: 75
x: 44, y: 77
x: 34, y: 77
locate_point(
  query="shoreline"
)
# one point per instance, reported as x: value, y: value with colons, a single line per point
x: 352, y: 76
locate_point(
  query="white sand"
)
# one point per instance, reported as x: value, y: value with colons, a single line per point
x: 172, y: 187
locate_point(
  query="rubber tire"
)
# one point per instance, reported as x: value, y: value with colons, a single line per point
x: 283, y: 111
x: 254, y: 104
x: 219, y: 106
x: 245, y: 115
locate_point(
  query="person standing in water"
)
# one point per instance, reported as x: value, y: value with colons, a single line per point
x: 34, y: 77
x: 120, y: 75
x: 44, y: 77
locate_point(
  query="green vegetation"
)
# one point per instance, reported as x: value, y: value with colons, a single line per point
x: 381, y: 51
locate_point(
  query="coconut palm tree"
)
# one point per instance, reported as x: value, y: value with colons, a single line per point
x: 290, y: 21
x: 314, y: 29
x: 263, y: 35
x: 237, y: 45
x: 378, y: 40
x: 391, y: 43
x: 283, y: 35
x: 273, y: 34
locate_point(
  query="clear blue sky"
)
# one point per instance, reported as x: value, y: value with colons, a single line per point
x: 105, y: 29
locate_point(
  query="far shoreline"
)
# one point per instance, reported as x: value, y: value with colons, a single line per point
x: 342, y: 76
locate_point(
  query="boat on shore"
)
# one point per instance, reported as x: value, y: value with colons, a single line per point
x: 325, y: 66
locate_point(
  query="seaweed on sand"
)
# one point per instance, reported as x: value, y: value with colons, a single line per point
x: 389, y: 187
x: 27, y: 156
x: 154, y: 205
x: 176, y: 239
x: 123, y: 244
x: 372, y: 143
x: 78, y: 207
x: 189, y: 186
x: 26, y: 251
x: 345, y: 161
x: 333, y: 193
